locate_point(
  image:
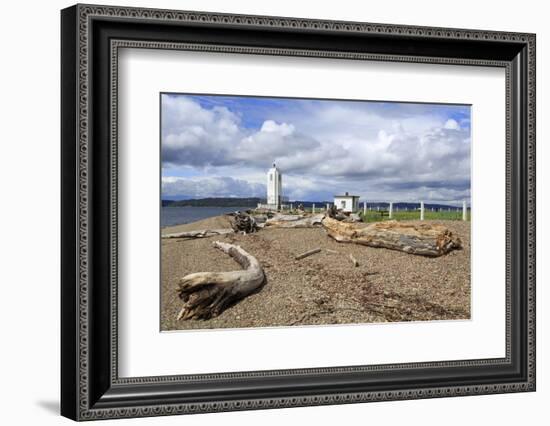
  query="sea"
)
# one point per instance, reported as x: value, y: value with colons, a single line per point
x: 170, y: 216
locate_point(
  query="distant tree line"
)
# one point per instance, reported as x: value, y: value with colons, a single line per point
x: 253, y: 202
x: 214, y: 202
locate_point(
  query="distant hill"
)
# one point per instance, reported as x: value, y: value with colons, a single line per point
x: 409, y: 206
x: 214, y: 202
x: 253, y: 202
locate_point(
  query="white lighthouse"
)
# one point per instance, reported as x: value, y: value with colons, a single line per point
x: 274, y: 188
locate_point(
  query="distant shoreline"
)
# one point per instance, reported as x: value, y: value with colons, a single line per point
x: 182, y: 215
x: 213, y: 202
x: 212, y: 222
x: 201, y: 207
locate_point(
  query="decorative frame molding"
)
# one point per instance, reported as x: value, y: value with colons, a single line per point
x: 91, y: 37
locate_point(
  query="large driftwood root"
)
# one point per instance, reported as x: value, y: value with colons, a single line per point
x: 244, y: 222
x: 207, y: 294
x: 334, y: 213
x: 421, y: 239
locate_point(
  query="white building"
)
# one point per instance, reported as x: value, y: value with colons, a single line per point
x: 274, y: 189
x: 347, y: 203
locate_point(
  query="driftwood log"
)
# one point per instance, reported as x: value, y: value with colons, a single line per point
x: 295, y: 221
x: 203, y: 233
x: 207, y: 294
x: 421, y: 239
x: 280, y: 217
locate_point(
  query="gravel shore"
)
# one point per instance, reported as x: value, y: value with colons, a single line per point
x: 324, y: 288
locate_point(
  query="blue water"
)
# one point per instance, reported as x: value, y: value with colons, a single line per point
x: 170, y: 216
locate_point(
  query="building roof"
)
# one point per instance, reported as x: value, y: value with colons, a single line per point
x: 346, y: 195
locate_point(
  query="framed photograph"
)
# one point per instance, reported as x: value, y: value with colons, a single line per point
x: 263, y: 212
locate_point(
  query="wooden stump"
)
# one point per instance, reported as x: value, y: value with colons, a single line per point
x: 243, y: 222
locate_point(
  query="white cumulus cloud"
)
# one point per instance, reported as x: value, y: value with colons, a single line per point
x: 451, y: 124
x: 378, y: 151
x: 215, y: 186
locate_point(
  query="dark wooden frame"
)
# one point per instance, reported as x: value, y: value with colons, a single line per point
x: 90, y: 386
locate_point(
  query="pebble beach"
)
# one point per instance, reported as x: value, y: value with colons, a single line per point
x: 324, y: 288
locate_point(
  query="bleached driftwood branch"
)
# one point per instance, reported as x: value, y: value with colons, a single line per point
x: 353, y: 260
x: 308, y: 253
x: 203, y: 233
x: 295, y: 221
x: 207, y: 294
x: 422, y: 239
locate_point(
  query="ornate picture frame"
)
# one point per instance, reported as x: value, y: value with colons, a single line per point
x: 91, y: 37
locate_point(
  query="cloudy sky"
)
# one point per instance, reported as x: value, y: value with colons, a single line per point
x: 222, y: 146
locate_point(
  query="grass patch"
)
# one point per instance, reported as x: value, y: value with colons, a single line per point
x: 376, y: 216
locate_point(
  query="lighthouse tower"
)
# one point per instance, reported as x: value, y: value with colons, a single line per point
x: 274, y: 187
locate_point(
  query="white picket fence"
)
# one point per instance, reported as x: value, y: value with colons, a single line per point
x: 391, y: 209
x: 421, y: 209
